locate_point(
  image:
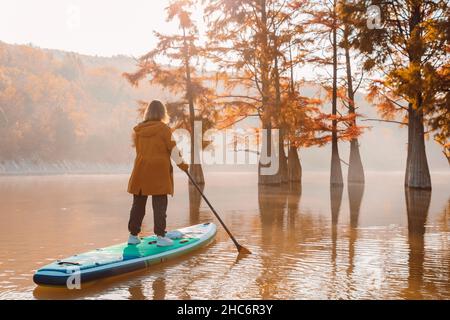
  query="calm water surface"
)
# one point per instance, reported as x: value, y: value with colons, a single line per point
x: 312, y: 242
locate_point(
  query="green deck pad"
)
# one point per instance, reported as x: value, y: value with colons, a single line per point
x: 144, y: 249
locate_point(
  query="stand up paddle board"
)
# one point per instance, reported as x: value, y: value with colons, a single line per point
x: 122, y: 258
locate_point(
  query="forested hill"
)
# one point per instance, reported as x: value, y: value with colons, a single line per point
x: 57, y: 106
x: 63, y: 111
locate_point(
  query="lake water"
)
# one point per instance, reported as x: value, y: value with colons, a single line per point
x: 374, y: 242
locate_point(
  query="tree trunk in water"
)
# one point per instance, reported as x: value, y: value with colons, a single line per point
x: 335, y: 202
x: 282, y: 171
x: 266, y: 145
x: 355, y: 195
x: 196, y: 172
x: 294, y: 166
x: 417, y: 172
x: 195, y: 168
x: 355, y: 166
x: 336, y: 170
x: 195, y: 200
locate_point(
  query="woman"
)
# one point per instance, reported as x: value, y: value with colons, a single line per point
x: 153, y: 173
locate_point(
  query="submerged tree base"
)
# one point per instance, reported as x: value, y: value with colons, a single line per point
x: 195, y: 199
x: 417, y: 173
x: 267, y: 179
x: 336, y: 170
x: 283, y: 169
x: 355, y: 166
x: 196, y: 172
x: 294, y: 166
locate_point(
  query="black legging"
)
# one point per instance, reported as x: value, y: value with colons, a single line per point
x: 137, y: 213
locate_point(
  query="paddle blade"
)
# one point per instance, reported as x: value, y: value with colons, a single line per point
x: 243, y: 250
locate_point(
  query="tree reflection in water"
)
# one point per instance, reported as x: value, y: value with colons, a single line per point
x: 417, y: 205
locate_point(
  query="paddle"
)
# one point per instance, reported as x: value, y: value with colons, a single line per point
x: 241, y: 249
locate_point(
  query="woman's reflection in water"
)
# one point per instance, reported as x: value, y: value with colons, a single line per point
x: 158, y: 287
x: 137, y: 291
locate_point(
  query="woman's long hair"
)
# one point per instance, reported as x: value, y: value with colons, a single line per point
x: 156, y: 111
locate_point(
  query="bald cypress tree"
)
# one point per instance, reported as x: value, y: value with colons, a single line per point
x: 325, y: 23
x: 355, y: 166
x: 180, y: 77
x: 406, y: 49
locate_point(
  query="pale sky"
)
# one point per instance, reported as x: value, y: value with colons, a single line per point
x: 96, y: 27
x: 93, y: 27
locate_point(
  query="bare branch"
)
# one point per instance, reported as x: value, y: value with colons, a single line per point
x: 390, y: 121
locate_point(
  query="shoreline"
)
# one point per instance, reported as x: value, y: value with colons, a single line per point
x: 214, y: 170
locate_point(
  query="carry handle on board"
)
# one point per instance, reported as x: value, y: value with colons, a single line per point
x: 241, y: 249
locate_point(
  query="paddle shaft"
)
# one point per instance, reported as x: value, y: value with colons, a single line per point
x: 214, y: 211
